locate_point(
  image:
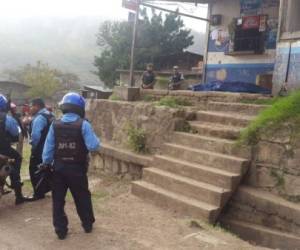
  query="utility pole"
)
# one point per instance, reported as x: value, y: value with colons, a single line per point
x: 133, y: 44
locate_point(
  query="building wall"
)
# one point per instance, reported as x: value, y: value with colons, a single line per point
x: 17, y: 91
x: 287, y: 66
x: 240, y: 67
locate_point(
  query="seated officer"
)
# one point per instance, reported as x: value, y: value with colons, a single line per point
x: 38, y: 130
x: 9, y: 132
x: 176, y: 80
x: 148, y: 78
x: 67, y: 145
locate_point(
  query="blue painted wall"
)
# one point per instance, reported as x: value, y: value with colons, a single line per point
x: 287, y: 66
x: 241, y: 67
x: 237, y: 72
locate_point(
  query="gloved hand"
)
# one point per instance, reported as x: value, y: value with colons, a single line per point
x: 44, y: 167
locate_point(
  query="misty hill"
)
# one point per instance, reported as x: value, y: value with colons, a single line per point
x: 68, y: 44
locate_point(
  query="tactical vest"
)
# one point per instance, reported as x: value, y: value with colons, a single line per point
x: 176, y: 78
x: 148, y: 78
x: 4, y: 137
x: 69, y: 143
x: 38, y: 150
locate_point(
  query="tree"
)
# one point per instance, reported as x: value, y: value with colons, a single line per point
x: 44, y: 81
x: 157, y: 36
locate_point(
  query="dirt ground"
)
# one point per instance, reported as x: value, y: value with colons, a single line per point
x: 123, y: 222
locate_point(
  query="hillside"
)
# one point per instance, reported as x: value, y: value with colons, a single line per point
x: 68, y: 44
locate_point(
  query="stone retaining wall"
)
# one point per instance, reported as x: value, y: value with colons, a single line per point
x: 111, y: 118
x: 276, y: 164
x: 200, y: 98
x: 118, y: 162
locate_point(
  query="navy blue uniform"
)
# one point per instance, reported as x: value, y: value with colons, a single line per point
x: 38, y: 132
x: 67, y: 145
x: 9, y: 132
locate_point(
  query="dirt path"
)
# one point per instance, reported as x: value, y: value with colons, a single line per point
x: 123, y: 222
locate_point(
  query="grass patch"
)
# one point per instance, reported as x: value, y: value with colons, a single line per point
x: 173, y: 102
x: 162, y: 81
x: 136, y: 139
x: 285, y: 109
x: 26, y: 159
x: 114, y: 97
x: 148, y: 98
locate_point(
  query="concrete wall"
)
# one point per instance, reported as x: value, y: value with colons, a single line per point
x: 287, y: 66
x: 244, y: 68
x: 111, y: 118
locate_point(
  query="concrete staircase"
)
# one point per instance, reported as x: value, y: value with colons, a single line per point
x: 197, y: 172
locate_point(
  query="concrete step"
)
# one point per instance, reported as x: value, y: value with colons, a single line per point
x: 197, y: 172
x: 216, y: 160
x: 224, y: 118
x: 270, y: 210
x: 263, y: 236
x: 242, y: 108
x: 214, y: 144
x: 186, y: 186
x: 216, y: 130
x: 175, y: 202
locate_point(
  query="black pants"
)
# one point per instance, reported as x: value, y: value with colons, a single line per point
x: 35, y: 160
x: 77, y: 182
x: 15, y: 174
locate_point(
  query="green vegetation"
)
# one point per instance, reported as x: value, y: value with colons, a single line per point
x: 136, y: 139
x: 43, y: 80
x: 285, y: 109
x: 173, y: 102
x: 26, y: 159
x: 279, y: 177
x: 114, y: 97
x: 162, y: 81
x: 148, y: 98
x: 157, y: 36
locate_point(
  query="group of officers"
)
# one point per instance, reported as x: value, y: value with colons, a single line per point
x: 149, y: 78
x: 59, y: 152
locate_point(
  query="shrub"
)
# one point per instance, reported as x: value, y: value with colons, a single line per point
x: 136, y: 139
x: 283, y: 110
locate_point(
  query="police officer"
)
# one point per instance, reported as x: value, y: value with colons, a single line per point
x: 176, y: 80
x: 67, y: 145
x: 148, y: 77
x: 38, y: 130
x: 9, y: 132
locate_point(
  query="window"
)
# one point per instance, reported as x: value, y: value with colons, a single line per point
x: 290, y: 19
x: 247, y: 35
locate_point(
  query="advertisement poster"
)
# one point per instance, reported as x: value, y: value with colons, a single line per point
x: 250, y: 6
x: 251, y: 22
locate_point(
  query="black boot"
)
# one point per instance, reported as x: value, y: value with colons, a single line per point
x: 19, y: 196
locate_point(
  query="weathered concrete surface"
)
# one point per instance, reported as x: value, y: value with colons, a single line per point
x: 127, y: 93
x: 263, y: 218
x: 275, y: 164
x: 111, y: 118
x: 119, y: 162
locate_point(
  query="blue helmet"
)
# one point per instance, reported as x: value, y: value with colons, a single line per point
x: 73, y: 103
x: 3, y: 103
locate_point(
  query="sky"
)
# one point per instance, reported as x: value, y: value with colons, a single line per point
x: 110, y: 9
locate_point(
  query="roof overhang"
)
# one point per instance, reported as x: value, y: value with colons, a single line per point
x: 185, y: 1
